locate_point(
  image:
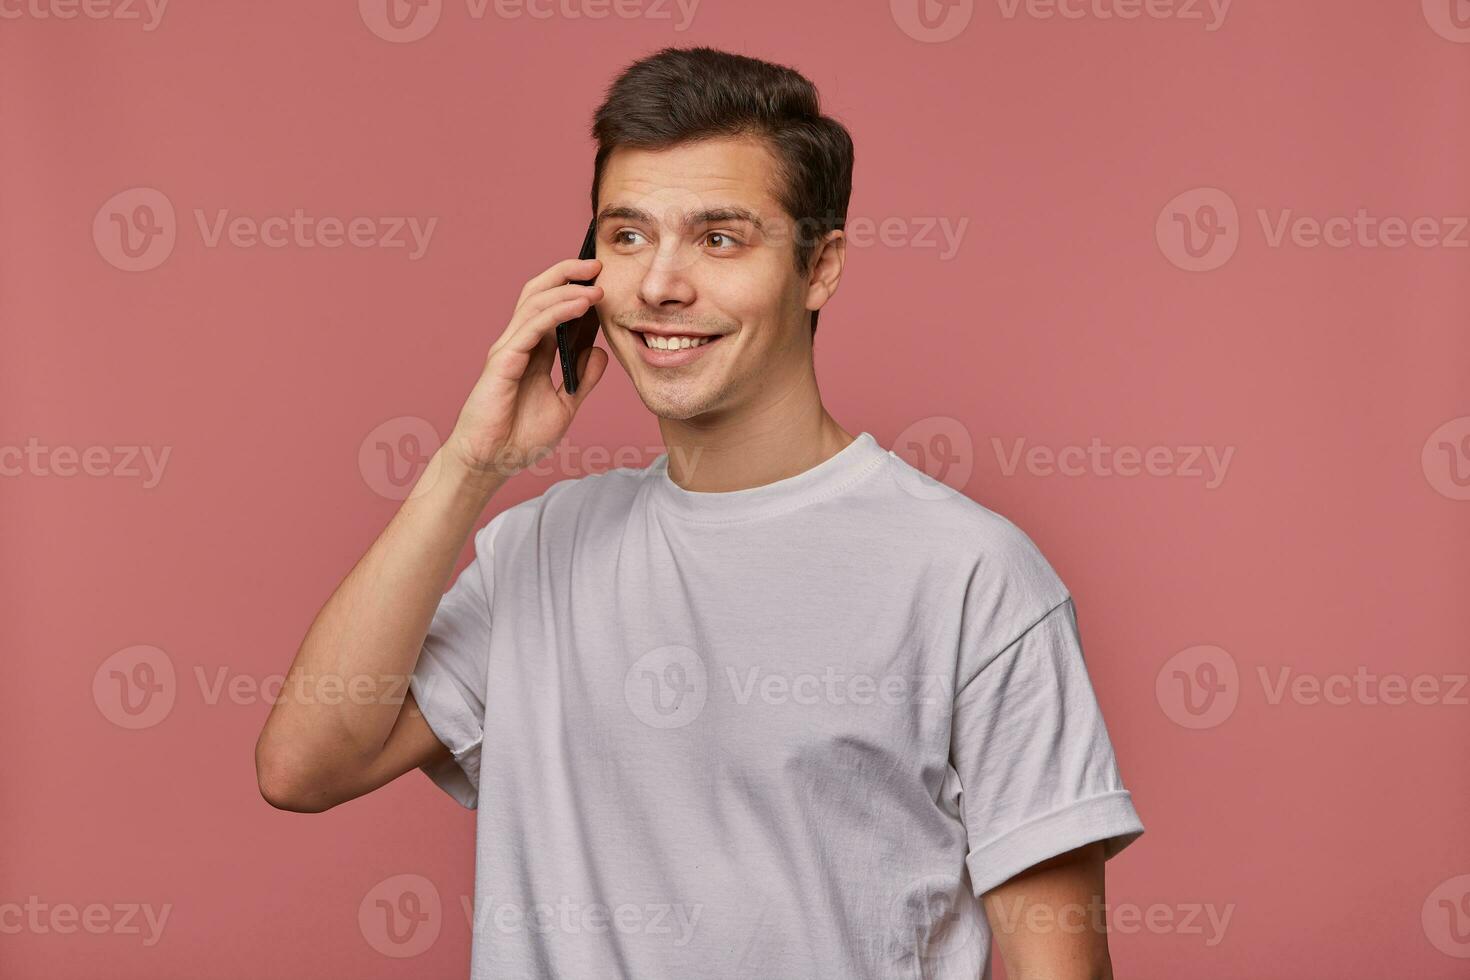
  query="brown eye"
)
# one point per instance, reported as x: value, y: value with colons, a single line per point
x: 720, y: 234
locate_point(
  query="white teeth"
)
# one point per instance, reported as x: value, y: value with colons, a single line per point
x: 674, y: 343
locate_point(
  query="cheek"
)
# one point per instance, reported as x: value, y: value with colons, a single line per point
x: 744, y: 292
x: 616, y: 282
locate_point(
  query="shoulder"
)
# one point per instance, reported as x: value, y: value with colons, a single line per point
x: 567, y: 505
x: 976, y: 538
x: 1003, y: 580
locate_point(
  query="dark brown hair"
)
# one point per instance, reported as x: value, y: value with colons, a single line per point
x: 681, y: 95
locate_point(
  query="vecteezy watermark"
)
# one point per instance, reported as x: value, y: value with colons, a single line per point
x: 1201, y: 686
x: 40, y: 918
x: 1446, y: 459
x: 1450, y: 19
x: 569, y: 461
x: 1200, y: 229
x: 1198, y: 687
x: 1362, y: 230
x: 932, y: 21
x: 149, y: 13
x: 137, y: 687
x: 1206, y: 463
x: 835, y: 687
x: 932, y: 918
x: 669, y: 687
x: 1203, y: 919
x: 935, y: 21
x: 1446, y: 917
x: 406, y: 21
x: 116, y: 462
x: 940, y: 453
x: 301, y: 687
x: 565, y: 915
x: 1362, y: 686
x: 1210, y: 13
x: 303, y: 230
x: 941, y: 234
x: 666, y: 687
x: 136, y: 230
x: 394, y: 456
x: 401, y: 916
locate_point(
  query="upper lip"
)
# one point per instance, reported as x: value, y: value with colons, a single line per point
x: 670, y: 332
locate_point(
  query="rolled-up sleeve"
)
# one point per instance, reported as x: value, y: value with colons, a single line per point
x: 1037, y: 770
x: 449, y: 680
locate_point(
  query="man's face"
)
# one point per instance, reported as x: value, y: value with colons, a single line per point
x: 692, y: 243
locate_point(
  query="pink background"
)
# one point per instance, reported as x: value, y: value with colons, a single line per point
x: 1333, y: 835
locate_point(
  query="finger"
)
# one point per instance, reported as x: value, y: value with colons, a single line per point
x: 541, y: 302
x: 551, y: 297
x: 563, y: 271
x: 523, y: 338
x: 518, y: 347
x: 542, y: 328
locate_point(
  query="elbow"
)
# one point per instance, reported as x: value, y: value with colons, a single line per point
x: 281, y: 796
x: 282, y: 785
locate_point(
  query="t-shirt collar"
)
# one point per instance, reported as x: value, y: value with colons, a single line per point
x: 848, y: 465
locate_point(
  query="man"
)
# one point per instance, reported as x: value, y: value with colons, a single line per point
x: 777, y: 706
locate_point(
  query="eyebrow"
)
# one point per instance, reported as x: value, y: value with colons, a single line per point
x: 708, y: 216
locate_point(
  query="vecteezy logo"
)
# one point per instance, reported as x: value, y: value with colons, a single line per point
x: 932, y: 21
x: 400, y: 21
x: 135, y: 688
x: 1446, y: 917
x: 1446, y: 459
x: 1198, y: 687
x: 940, y: 448
x: 135, y: 230
x: 395, y: 455
x: 667, y: 687
x: 928, y: 920
x: 401, y: 916
x: 1198, y: 230
x: 1450, y: 19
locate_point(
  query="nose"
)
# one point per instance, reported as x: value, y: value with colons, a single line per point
x: 667, y: 281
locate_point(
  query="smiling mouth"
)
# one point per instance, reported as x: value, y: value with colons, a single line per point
x: 681, y: 342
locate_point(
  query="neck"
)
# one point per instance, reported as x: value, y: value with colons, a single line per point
x: 771, y: 445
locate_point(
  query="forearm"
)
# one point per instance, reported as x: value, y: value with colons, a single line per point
x: 346, y: 684
x: 1049, y: 922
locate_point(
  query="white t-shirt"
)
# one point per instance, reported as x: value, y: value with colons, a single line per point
x: 785, y: 732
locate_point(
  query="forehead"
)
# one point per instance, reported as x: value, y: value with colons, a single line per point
x: 690, y: 177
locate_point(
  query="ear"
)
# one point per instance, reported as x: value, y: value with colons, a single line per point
x: 826, y: 269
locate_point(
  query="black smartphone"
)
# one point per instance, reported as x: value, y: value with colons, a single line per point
x: 575, y: 336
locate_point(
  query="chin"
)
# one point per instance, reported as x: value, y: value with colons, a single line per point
x: 679, y: 406
x: 672, y: 411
